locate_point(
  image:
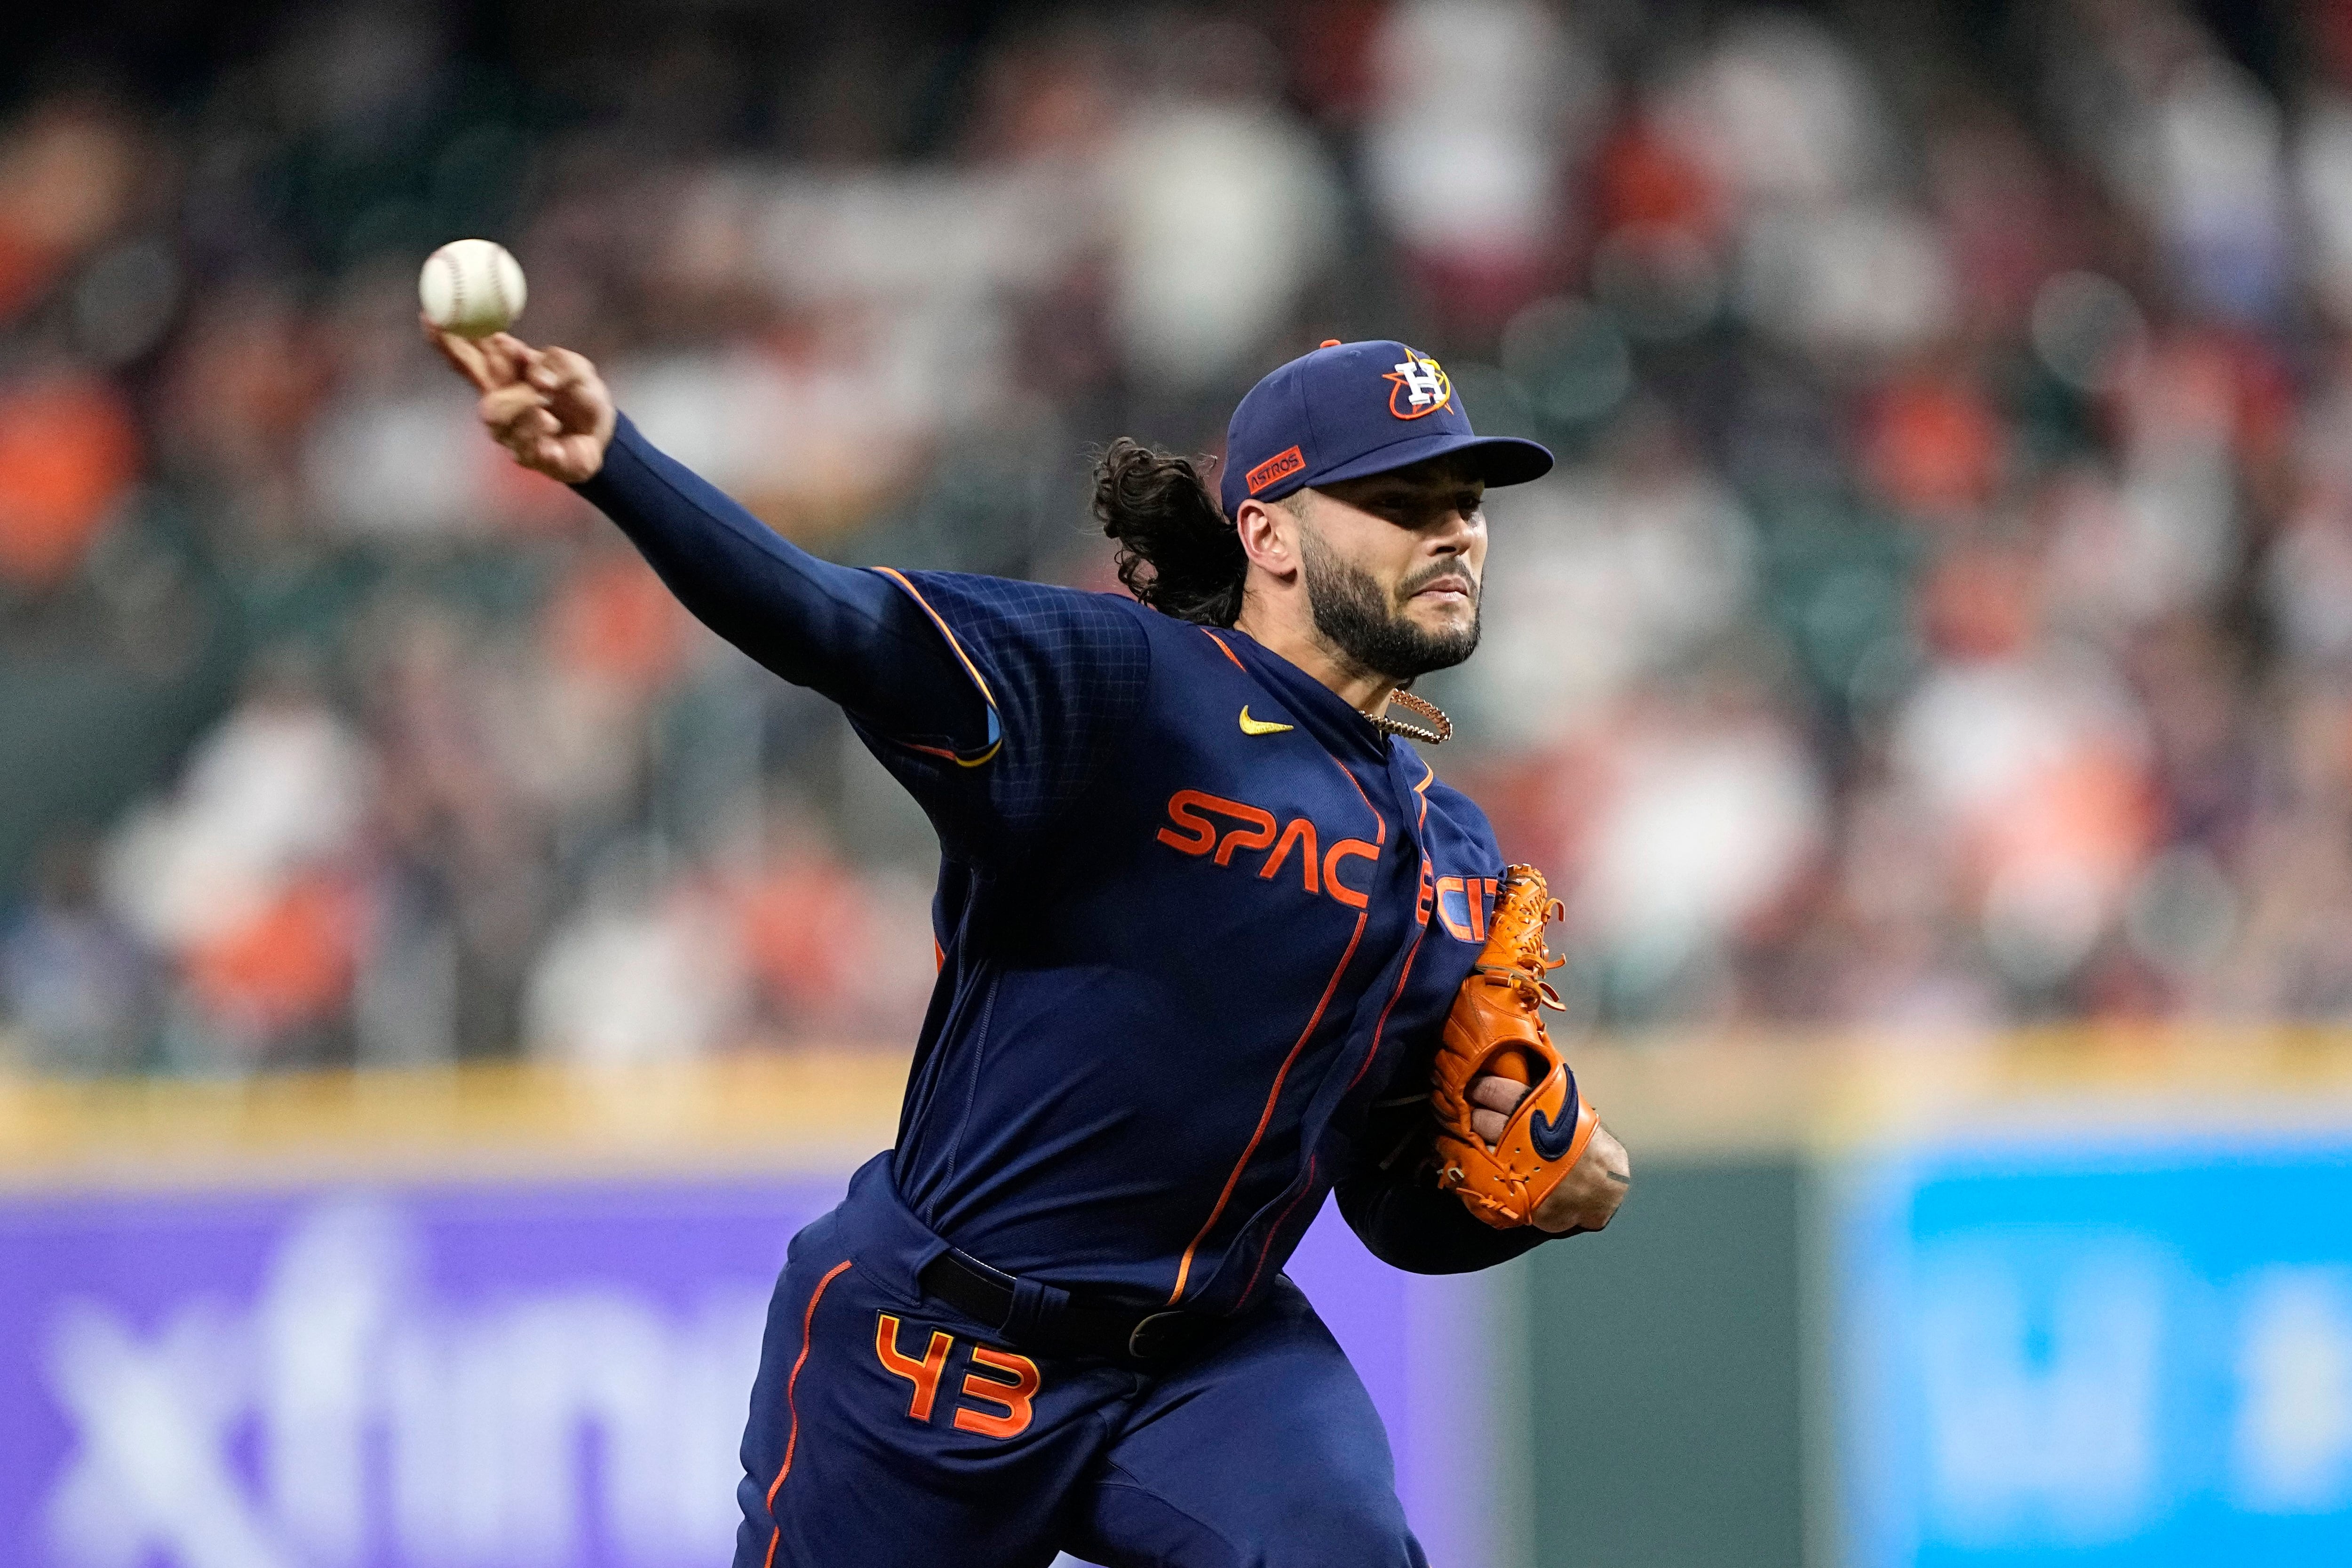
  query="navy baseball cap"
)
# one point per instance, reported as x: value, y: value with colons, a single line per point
x: 1351, y: 409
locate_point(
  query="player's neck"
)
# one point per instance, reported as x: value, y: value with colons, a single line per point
x: 1299, y: 642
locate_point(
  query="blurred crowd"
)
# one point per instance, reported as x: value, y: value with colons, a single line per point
x: 1941, y: 619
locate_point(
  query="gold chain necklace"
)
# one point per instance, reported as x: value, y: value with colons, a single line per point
x: 1436, y: 732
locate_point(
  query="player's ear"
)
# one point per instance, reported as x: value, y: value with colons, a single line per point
x: 1269, y: 536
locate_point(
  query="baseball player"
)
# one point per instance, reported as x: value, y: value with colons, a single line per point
x: 1213, y: 944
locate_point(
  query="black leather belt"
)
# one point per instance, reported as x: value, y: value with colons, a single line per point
x: 1054, y: 1322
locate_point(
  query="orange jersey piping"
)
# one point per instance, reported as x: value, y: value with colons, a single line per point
x: 1382, y: 1026
x: 1266, y: 1249
x: 1224, y: 649
x: 791, y: 1411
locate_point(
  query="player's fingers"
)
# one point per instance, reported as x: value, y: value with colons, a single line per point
x: 464, y: 357
x: 579, y: 397
x: 574, y: 389
x: 536, y: 439
x: 510, y: 356
x: 523, y: 433
x: 559, y: 370
x: 501, y: 406
x: 1498, y: 1093
x: 1488, y: 1125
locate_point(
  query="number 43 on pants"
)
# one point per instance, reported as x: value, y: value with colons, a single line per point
x: 1012, y: 1393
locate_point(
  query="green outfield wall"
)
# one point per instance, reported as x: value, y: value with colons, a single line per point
x: 1666, y: 1374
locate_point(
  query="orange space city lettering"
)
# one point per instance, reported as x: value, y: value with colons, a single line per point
x: 1210, y: 824
x: 998, y: 1378
x: 1195, y: 831
x: 1473, y: 896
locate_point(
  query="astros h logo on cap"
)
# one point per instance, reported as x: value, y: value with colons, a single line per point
x: 1418, y: 386
x: 1351, y: 409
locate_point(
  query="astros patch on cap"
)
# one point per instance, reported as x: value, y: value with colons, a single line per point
x: 1351, y: 409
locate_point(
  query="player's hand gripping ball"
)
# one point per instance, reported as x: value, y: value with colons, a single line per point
x: 471, y: 287
x: 1496, y: 1028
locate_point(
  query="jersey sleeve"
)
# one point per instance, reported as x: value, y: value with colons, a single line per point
x: 1064, y: 675
x: 848, y: 633
x: 1406, y: 1222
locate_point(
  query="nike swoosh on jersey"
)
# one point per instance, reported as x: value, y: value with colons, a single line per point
x: 1258, y: 726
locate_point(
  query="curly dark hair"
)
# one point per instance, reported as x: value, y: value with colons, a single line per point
x: 1177, y: 551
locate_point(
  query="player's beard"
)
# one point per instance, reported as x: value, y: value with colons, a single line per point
x: 1366, y: 624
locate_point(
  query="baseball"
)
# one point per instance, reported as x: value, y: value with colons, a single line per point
x: 472, y: 287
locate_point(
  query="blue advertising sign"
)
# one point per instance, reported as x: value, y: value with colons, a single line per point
x: 2098, y: 1352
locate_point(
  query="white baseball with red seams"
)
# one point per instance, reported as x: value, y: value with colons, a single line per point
x: 472, y: 287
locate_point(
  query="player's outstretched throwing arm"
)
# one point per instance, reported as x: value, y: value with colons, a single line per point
x: 848, y: 634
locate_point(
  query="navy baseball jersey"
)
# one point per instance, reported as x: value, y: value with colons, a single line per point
x: 1196, y: 915
x: 1198, y: 923
x: 1195, y: 911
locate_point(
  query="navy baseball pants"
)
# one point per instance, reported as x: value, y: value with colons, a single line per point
x: 889, y: 1430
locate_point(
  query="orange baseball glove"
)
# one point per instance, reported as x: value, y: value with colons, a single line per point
x: 1496, y: 1027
